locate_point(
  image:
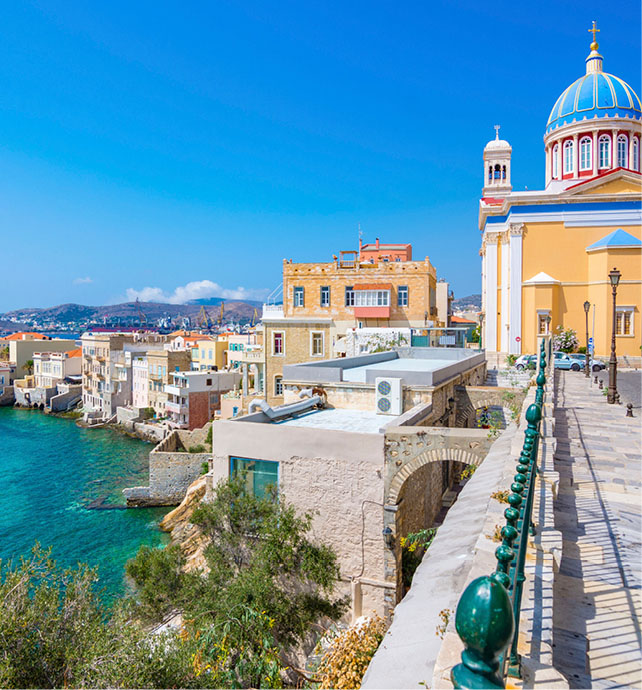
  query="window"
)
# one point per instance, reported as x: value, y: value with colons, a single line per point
x: 277, y: 343
x: 259, y: 475
x: 372, y: 298
x: 498, y: 172
x: 490, y: 174
x: 556, y: 153
x: 298, y: 296
x: 316, y: 344
x: 604, y: 148
x: 325, y: 296
x: 278, y: 385
x: 624, y: 321
x: 349, y: 296
x: 585, y: 154
x: 635, y: 163
x: 569, y: 152
x: 622, y: 151
x: 402, y: 296
x: 542, y: 323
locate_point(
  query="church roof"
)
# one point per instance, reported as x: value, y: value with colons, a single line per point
x: 542, y: 278
x: 617, y: 238
x: 595, y: 95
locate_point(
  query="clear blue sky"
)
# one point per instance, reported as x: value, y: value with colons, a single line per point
x: 155, y: 144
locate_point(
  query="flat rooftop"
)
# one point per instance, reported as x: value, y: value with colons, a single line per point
x: 357, y: 421
x: 416, y: 366
x: 358, y: 374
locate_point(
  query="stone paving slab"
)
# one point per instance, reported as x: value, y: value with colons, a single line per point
x: 598, y: 608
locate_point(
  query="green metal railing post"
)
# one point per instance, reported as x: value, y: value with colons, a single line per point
x: 487, y: 617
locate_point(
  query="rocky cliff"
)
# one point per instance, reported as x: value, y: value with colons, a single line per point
x: 183, y: 532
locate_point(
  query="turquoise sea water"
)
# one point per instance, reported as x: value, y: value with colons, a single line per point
x: 50, y: 470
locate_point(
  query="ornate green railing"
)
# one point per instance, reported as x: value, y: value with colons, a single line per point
x: 487, y: 618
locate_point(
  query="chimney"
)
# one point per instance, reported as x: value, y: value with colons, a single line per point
x: 377, y: 244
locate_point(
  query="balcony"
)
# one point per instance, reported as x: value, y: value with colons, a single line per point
x: 174, y: 390
x: 372, y: 312
x: 248, y: 356
x: 176, y: 408
x: 272, y: 311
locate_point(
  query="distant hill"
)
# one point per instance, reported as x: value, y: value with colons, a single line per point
x: 470, y: 303
x: 234, y: 310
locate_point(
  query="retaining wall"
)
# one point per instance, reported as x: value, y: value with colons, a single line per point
x: 171, y: 469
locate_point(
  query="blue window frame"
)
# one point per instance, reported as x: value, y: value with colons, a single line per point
x: 325, y: 296
x: 402, y: 296
x: 259, y: 474
x: 298, y: 296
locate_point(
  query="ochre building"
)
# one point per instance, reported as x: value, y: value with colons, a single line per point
x: 546, y: 252
x: 378, y: 286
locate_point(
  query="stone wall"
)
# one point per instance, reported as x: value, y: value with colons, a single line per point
x: 63, y: 400
x: 171, y: 469
x: 336, y: 475
x: 7, y: 397
x: 127, y: 416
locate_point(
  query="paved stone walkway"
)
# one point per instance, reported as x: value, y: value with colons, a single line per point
x: 597, y: 609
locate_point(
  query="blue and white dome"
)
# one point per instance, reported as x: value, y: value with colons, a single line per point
x: 595, y: 95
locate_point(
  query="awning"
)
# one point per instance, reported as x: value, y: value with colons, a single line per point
x: 372, y: 286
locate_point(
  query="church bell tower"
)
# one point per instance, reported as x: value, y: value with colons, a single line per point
x: 497, y: 154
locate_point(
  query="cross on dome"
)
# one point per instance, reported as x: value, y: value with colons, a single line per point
x: 497, y: 128
x: 594, y: 30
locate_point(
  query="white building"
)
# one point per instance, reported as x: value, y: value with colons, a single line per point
x: 52, y: 368
x: 140, y: 381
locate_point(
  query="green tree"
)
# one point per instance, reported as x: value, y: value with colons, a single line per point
x: 55, y: 632
x: 28, y: 366
x: 266, y: 585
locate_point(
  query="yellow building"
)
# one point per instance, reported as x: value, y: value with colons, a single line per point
x: 209, y: 353
x: 544, y: 253
x: 379, y: 286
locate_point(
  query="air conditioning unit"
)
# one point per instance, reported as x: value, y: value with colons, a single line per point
x: 388, y: 396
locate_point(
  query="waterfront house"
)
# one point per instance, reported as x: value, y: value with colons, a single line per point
x: 140, y: 381
x: 194, y: 397
x: 23, y: 346
x: 208, y: 352
x: 51, y: 368
x: 161, y: 363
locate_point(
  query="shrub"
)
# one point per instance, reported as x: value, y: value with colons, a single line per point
x: 511, y: 359
x: 565, y: 340
x: 350, y: 653
x: 198, y: 448
x: 413, y: 547
x: 267, y: 584
x: 205, y: 467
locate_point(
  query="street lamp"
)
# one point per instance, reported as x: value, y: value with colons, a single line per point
x: 481, y: 328
x: 613, y: 397
x: 550, y: 340
x: 587, y: 306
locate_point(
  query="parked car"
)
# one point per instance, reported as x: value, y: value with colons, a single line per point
x: 563, y: 360
x: 594, y: 364
x: 523, y: 362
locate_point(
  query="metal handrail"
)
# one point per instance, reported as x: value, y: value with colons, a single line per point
x: 487, y: 618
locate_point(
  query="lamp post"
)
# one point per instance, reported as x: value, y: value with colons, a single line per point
x: 550, y: 339
x: 481, y: 328
x: 587, y: 306
x: 613, y: 397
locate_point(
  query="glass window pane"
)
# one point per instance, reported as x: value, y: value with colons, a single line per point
x: 260, y: 474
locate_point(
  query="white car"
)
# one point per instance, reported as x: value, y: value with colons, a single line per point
x: 523, y: 362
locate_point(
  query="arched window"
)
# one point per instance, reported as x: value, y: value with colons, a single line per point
x: 622, y: 151
x: 569, y: 166
x: 503, y: 172
x: 585, y: 153
x: 635, y: 163
x: 498, y: 172
x: 490, y: 174
x: 604, y: 145
x: 556, y: 167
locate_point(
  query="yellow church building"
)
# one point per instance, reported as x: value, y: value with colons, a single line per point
x: 544, y: 253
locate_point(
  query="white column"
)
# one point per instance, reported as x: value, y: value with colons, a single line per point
x: 504, y: 311
x: 614, y: 149
x: 490, y: 321
x: 629, y: 163
x: 595, y: 154
x: 548, y: 165
x: 576, y: 158
x: 560, y: 159
x: 515, y: 330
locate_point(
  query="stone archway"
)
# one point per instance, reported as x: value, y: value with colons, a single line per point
x: 467, y: 457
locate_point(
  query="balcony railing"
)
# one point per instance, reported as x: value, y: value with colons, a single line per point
x: 487, y: 618
x: 273, y: 311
